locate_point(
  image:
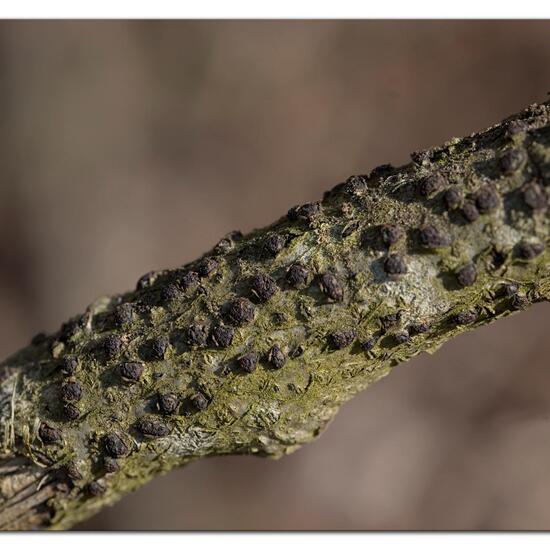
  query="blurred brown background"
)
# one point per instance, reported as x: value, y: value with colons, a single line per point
x: 127, y: 146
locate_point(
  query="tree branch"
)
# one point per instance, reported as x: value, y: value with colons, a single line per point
x: 252, y: 348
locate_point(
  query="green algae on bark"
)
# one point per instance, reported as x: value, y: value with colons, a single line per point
x: 252, y: 348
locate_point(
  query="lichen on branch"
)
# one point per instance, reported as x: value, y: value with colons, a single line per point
x: 252, y: 348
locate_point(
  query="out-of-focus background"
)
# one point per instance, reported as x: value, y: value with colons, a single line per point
x: 128, y: 146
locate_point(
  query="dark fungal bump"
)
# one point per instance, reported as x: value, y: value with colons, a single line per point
x: 368, y: 343
x: 68, y: 365
x: 534, y: 196
x: 418, y: 327
x: 297, y: 275
x: 96, y: 489
x: 452, y: 198
x: 529, y: 251
x: 465, y: 317
x: 207, y: 266
x: 391, y: 234
x: 222, y: 336
x: 48, y: 434
x: 199, y: 401
x: 341, y: 339
x: 158, y: 347
x: 331, y: 287
x: 380, y: 172
x: 430, y: 236
x: 275, y: 357
x: 469, y: 211
x: 187, y: 280
x: 273, y: 244
x: 152, y: 428
x: 71, y: 411
x: 402, y: 337
x: 394, y: 265
x: 115, y: 446
x: 167, y: 403
x: 486, y: 199
x: 390, y: 320
x: 196, y: 335
x: 466, y: 275
x: 72, y: 470
x: 354, y: 185
x: 248, y: 362
x: 71, y: 391
x: 123, y: 314
x: 110, y: 464
x: 430, y: 185
x: 130, y: 371
x: 170, y: 292
x: 112, y: 345
x: 306, y: 212
x: 511, y: 160
x: 239, y: 311
x: 519, y: 301
x: 263, y: 287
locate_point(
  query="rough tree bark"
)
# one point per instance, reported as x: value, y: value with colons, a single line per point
x: 252, y: 348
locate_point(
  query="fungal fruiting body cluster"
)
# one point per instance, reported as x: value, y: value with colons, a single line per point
x: 253, y: 347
